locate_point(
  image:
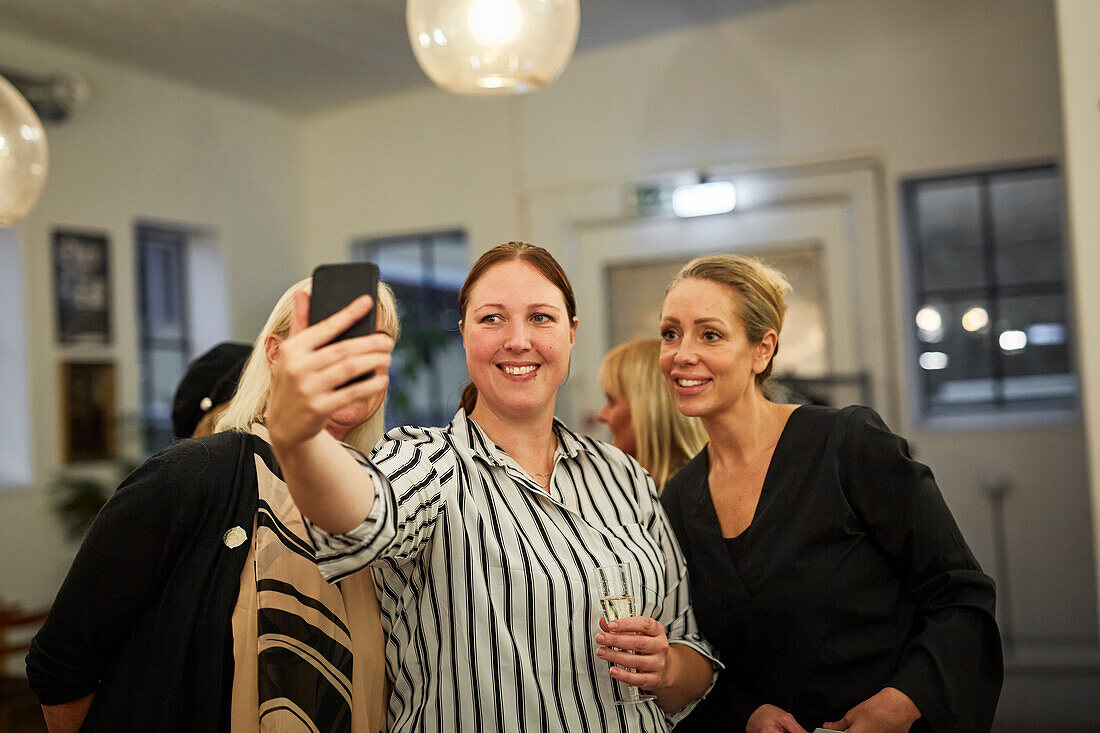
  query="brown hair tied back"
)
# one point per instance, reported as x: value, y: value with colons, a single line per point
x: 535, y: 256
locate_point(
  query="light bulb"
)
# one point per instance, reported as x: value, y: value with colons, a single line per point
x: 488, y: 47
x: 929, y: 319
x: 23, y: 155
x: 495, y: 22
x: 933, y: 360
x: 701, y: 199
x: 1012, y: 340
x: 975, y: 319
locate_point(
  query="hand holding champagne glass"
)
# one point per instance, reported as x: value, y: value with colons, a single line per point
x: 617, y: 598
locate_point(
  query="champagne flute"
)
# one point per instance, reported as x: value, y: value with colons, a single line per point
x: 616, y: 587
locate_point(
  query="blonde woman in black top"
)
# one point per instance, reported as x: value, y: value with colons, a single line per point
x: 824, y: 563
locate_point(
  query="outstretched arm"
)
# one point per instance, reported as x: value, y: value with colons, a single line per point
x: 309, y: 385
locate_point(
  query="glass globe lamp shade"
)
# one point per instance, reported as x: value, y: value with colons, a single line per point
x: 493, y: 47
x: 23, y: 155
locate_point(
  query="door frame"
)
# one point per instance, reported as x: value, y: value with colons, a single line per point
x: 557, y: 219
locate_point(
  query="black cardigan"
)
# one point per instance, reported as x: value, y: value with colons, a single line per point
x: 143, y: 617
x: 852, y: 576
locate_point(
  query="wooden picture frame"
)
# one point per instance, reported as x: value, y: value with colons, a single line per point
x: 82, y: 287
x: 87, y: 411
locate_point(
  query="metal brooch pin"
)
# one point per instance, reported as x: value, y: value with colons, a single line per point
x: 234, y: 537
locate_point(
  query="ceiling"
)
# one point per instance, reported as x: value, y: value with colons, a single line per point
x: 299, y: 55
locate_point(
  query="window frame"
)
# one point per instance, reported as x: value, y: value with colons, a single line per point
x: 1002, y: 412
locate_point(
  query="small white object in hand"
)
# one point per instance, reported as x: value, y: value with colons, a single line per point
x: 234, y: 537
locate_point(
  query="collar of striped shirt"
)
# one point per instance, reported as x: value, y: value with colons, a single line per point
x: 471, y: 434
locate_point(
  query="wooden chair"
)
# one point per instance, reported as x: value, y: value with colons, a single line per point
x: 19, y: 710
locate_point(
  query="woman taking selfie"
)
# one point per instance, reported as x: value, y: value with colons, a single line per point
x: 194, y: 603
x: 484, y: 536
x: 825, y: 566
x: 640, y: 413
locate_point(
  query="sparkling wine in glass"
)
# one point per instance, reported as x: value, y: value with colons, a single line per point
x: 616, y: 588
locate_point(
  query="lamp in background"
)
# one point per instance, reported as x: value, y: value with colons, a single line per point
x: 493, y: 47
x: 23, y: 155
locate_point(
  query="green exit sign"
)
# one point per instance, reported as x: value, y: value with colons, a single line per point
x: 649, y: 199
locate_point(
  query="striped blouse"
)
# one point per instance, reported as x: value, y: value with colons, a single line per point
x: 486, y: 581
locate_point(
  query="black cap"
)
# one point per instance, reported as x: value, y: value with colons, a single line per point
x: 210, y: 380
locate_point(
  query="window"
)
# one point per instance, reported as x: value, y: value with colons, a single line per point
x: 428, y: 370
x: 182, y: 312
x: 990, y: 315
x: 15, y: 428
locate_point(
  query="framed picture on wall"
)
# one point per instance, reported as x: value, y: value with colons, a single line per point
x: 87, y: 411
x: 82, y: 287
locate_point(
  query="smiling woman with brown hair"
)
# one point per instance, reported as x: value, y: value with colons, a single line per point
x: 484, y: 536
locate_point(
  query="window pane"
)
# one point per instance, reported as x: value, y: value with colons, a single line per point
x: 1027, y: 225
x: 428, y: 370
x: 162, y: 370
x: 399, y: 261
x: 163, y: 328
x: 162, y: 290
x: 956, y: 359
x: 948, y: 228
x: 450, y: 263
x: 1033, y: 338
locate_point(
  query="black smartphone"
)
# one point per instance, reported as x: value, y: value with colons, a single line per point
x: 335, y: 286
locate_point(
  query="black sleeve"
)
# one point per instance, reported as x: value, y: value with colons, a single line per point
x: 951, y: 666
x: 119, y: 570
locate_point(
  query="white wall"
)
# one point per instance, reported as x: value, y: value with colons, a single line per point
x: 142, y: 148
x: 410, y: 163
x: 920, y: 86
x: 1079, y: 44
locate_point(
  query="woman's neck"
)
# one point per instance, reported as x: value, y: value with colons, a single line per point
x: 529, y: 440
x: 748, y: 426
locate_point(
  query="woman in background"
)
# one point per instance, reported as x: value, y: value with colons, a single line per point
x: 206, y: 388
x: 194, y: 603
x: 824, y: 563
x: 640, y: 413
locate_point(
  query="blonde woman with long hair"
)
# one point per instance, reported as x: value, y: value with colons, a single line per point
x: 195, y: 603
x: 640, y: 413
